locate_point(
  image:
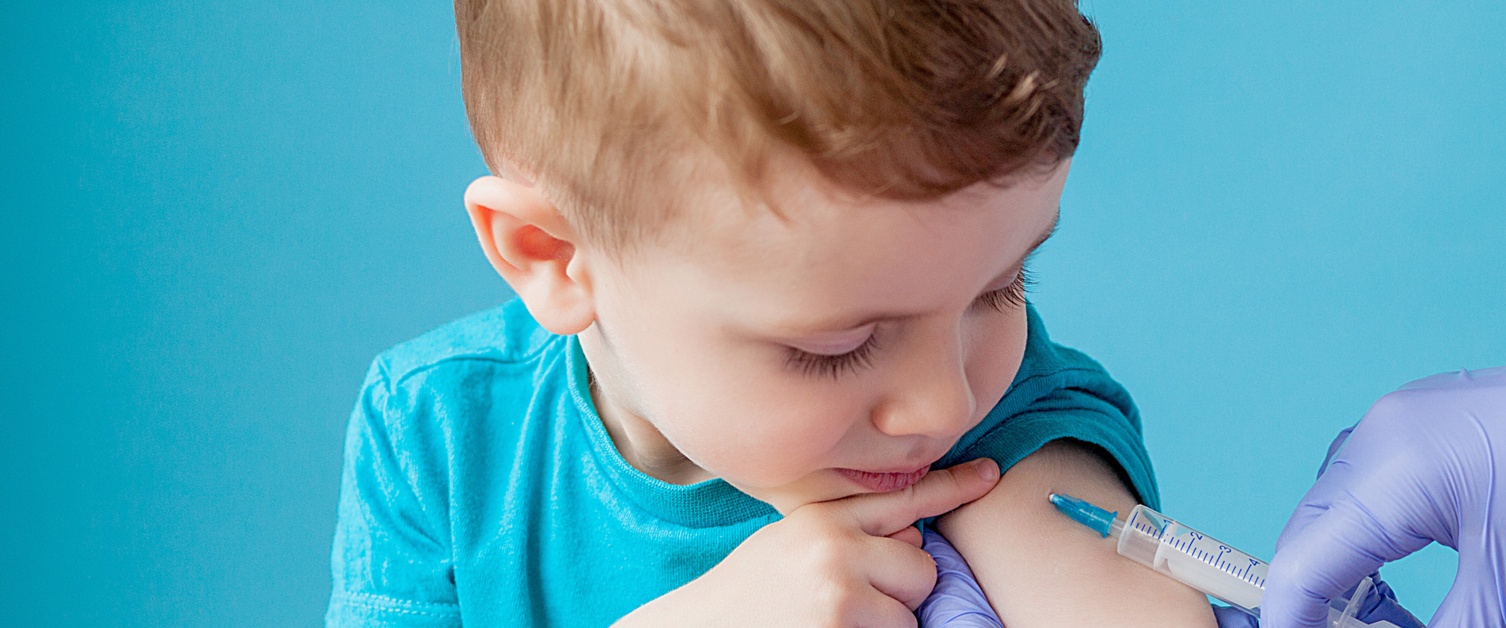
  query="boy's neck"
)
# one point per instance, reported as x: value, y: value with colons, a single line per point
x: 640, y: 443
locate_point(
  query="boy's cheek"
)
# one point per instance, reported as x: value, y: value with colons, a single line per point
x: 757, y: 447
x: 996, y: 354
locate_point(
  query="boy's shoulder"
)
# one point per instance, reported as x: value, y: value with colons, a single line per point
x: 506, y: 334
x: 1044, y: 358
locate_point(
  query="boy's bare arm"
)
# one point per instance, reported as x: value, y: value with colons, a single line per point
x: 1040, y: 569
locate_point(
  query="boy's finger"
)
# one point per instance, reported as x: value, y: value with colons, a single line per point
x: 909, y: 534
x: 902, y: 572
x: 884, y: 611
x: 883, y: 514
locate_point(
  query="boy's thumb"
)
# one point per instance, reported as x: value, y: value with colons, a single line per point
x: 939, y: 492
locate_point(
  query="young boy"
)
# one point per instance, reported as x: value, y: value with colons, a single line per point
x: 769, y: 258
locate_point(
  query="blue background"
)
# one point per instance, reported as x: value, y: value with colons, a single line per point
x: 212, y: 215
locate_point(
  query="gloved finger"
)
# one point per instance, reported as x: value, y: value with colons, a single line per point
x: 1234, y: 618
x: 952, y: 573
x: 1334, y: 447
x: 946, y: 556
x: 1332, y: 484
x: 1470, y: 603
x: 956, y: 601
x: 1478, y: 597
x: 1384, y: 502
x: 1321, y: 561
x: 1381, y: 605
x: 1321, y: 497
x: 957, y: 620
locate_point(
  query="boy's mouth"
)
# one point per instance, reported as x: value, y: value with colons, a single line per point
x: 883, y: 482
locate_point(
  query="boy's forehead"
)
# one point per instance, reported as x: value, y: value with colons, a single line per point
x: 831, y: 259
x: 975, y: 273
x: 812, y: 223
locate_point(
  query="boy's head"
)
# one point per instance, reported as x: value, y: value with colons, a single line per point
x: 716, y: 195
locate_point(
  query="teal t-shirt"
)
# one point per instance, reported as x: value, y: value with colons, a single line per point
x: 480, y: 485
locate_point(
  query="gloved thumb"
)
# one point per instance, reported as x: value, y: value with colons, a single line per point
x: 1476, y: 597
x: 1229, y: 617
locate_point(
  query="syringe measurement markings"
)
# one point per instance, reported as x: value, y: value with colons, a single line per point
x: 1146, y: 528
x: 1167, y: 532
x: 1186, y: 544
x: 1223, y: 550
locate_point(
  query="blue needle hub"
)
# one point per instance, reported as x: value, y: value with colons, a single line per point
x: 1085, y: 513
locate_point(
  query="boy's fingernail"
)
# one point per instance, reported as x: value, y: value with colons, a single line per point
x: 986, y: 468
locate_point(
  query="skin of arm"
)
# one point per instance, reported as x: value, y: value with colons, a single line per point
x: 1039, y: 568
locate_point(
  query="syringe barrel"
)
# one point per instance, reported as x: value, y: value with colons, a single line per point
x: 1213, y: 567
x: 1193, y: 558
x: 1135, y: 543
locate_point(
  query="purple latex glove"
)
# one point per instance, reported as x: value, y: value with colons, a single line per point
x: 1425, y: 464
x: 1380, y: 604
x: 1234, y: 618
x: 956, y: 601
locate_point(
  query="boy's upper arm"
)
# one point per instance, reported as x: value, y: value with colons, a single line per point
x: 391, y: 560
x: 1038, y: 568
x: 1064, y: 426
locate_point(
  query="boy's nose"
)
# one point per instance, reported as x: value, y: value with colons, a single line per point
x: 934, y: 401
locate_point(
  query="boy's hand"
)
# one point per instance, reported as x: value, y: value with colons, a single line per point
x: 848, y: 562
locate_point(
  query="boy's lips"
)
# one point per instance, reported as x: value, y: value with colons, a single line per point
x: 883, y: 482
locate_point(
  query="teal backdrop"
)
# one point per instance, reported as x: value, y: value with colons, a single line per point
x: 212, y: 216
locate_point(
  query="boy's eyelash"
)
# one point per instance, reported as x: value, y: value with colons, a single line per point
x: 1011, y: 296
x: 833, y: 366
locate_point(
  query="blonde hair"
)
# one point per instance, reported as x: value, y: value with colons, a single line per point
x: 611, y: 106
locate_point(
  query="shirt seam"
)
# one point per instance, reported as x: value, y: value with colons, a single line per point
x: 396, y: 605
x: 1059, y: 371
x: 409, y: 480
x: 512, y: 360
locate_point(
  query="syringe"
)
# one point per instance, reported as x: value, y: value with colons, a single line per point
x: 1196, y: 559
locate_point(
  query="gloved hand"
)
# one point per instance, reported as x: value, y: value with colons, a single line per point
x: 1427, y: 463
x: 956, y: 601
x: 1380, y: 604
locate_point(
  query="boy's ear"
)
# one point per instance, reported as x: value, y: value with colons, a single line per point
x: 533, y: 247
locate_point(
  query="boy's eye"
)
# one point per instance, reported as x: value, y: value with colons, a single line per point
x: 832, y: 366
x: 1008, y: 297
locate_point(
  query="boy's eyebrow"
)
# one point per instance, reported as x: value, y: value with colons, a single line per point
x: 848, y: 323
